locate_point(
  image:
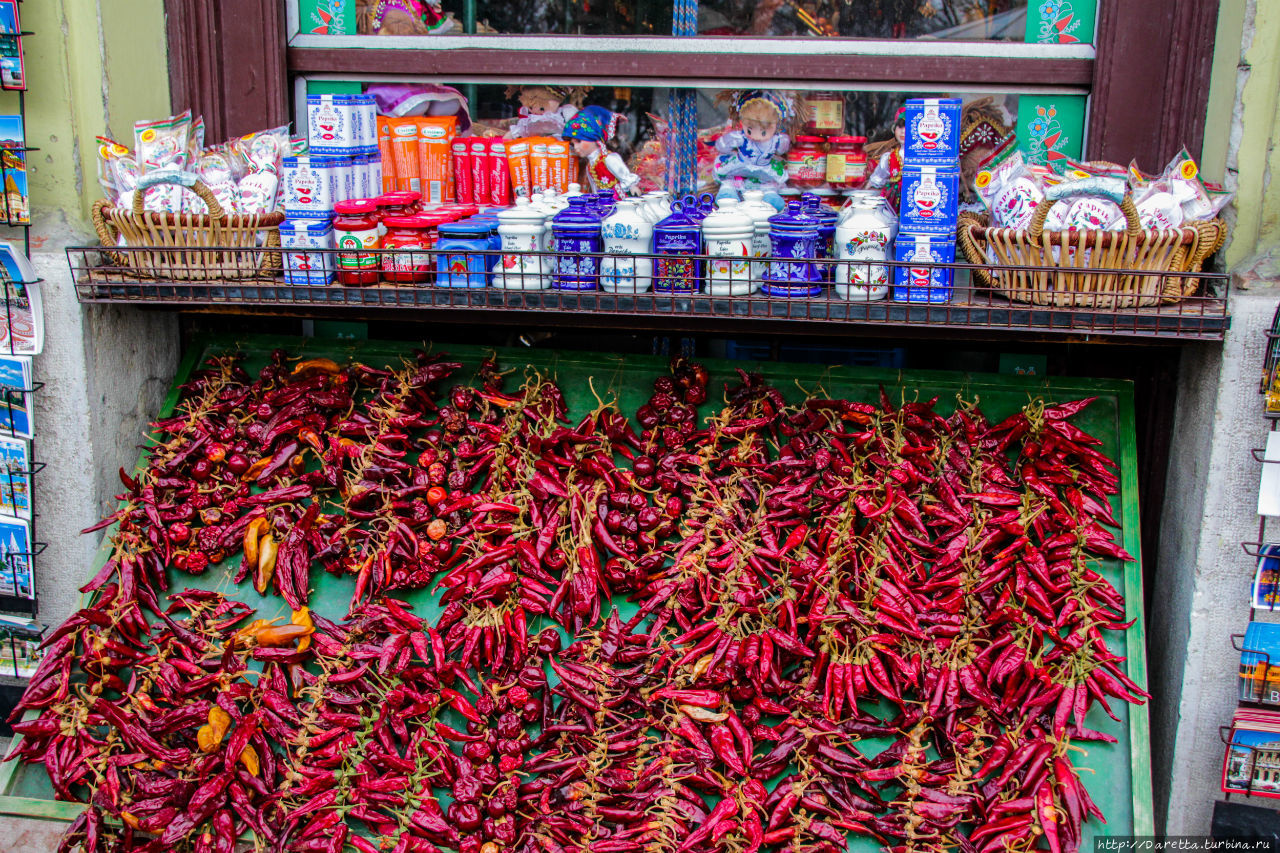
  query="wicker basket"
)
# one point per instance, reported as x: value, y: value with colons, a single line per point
x: 188, y: 246
x: 1061, y: 262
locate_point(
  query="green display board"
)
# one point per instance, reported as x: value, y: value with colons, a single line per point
x: 1051, y: 127
x: 1117, y: 775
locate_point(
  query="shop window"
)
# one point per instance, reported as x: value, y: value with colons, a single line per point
x: 1057, y: 22
x: 1136, y: 68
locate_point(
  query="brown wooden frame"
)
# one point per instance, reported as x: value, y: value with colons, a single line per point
x: 1149, y: 84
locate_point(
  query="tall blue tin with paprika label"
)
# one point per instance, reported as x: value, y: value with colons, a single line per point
x: 793, y: 238
x: 576, y: 239
x: 933, y: 132
x: 930, y: 202
x: 676, y: 241
x: 917, y: 281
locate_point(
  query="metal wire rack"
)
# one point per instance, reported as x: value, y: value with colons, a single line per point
x: 656, y: 293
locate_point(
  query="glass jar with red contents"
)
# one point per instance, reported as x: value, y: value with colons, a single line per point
x: 410, y: 262
x: 396, y: 204
x: 826, y: 113
x: 807, y: 163
x: 847, y: 162
x: 355, y: 234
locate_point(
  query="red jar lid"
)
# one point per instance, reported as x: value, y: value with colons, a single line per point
x: 355, y: 207
x: 413, y: 221
x: 431, y: 220
x: 843, y: 140
x: 398, y: 199
x: 811, y: 140
x: 858, y: 140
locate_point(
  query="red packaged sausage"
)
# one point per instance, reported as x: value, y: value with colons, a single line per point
x: 499, y: 174
x: 479, y: 170
x: 462, y: 169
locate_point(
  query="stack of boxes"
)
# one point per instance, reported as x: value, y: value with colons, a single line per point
x: 929, y: 206
x: 343, y: 162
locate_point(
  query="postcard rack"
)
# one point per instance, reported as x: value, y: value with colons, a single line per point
x: 1264, y: 597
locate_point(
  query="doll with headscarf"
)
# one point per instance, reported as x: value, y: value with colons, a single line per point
x: 544, y: 109
x: 590, y: 132
x: 751, y: 156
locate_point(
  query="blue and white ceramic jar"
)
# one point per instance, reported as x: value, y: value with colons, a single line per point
x: 793, y: 238
x: 627, y: 238
x: 575, y: 236
x: 827, y: 217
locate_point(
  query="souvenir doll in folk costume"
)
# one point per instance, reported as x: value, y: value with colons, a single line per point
x: 544, y: 109
x: 751, y: 155
x: 590, y: 131
x: 983, y: 129
x: 402, y: 18
x: 887, y: 155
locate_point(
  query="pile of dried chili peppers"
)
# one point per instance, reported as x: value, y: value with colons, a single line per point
x: 725, y: 623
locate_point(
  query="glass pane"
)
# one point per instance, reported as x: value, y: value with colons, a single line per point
x: 1034, y: 21
x: 1048, y: 127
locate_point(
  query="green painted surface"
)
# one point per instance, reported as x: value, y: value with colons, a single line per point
x: 1051, y: 127
x: 333, y: 87
x: 1222, y: 90
x: 1118, y: 775
x: 92, y: 68
x: 1061, y: 21
x: 1257, y: 200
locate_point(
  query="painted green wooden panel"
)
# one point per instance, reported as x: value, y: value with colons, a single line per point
x: 1118, y: 775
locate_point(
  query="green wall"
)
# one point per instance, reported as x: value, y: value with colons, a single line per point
x: 93, y: 67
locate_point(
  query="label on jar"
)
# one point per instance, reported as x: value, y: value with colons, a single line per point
x: 362, y: 239
x: 843, y: 169
x: 826, y: 115
x: 806, y: 167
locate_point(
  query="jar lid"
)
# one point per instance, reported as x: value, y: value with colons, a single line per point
x: 812, y: 140
x: 858, y: 140
x: 464, y: 229
x: 794, y: 217
x: 414, y: 221
x: 398, y: 199
x: 354, y: 207
x: 431, y: 220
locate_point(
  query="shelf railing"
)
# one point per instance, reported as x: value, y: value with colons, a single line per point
x: 674, y: 296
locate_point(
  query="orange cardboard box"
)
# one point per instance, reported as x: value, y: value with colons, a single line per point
x: 558, y: 157
x: 540, y: 163
x: 520, y: 167
x: 435, y: 157
x: 404, y: 154
x: 388, y: 156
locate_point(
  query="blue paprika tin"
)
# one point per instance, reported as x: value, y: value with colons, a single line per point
x: 575, y: 236
x: 923, y: 283
x: 933, y: 132
x: 793, y: 239
x: 495, y: 241
x: 459, y: 262
x: 676, y: 240
x: 930, y: 202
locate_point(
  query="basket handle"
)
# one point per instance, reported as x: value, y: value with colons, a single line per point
x: 1109, y: 189
x: 175, y: 176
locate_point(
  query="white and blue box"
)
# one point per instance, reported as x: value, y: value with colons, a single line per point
x: 303, y: 265
x: 923, y: 282
x: 930, y: 201
x: 933, y: 132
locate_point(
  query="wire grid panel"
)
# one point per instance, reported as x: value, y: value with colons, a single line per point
x: 691, y: 291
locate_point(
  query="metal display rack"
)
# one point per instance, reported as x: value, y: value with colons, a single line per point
x: 189, y: 279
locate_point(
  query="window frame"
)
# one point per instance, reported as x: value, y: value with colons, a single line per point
x: 1146, y: 75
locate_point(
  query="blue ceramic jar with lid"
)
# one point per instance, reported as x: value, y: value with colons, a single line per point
x: 793, y: 238
x: 460, y: 261
x: 606, y: 203
x: 576, y: 240
x: 813, y: 206
x: 677, y: 240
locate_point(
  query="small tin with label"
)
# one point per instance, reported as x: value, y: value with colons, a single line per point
x: 923, y: 283
x: 332, y: 124
x: 930, y: 201
x: 310, y: 187
x: 933, y: 132
x: 303, y: 268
